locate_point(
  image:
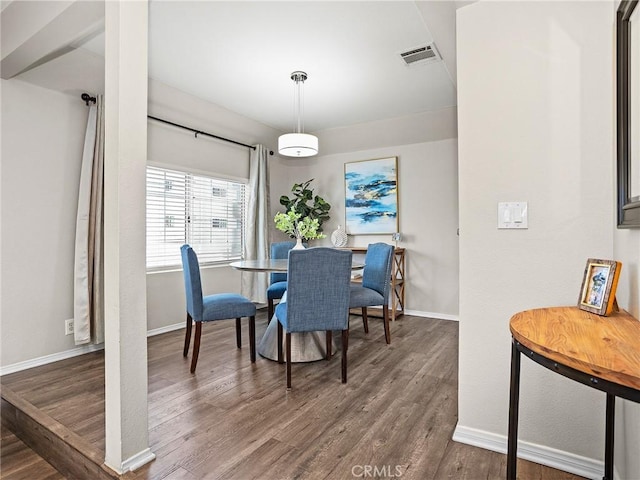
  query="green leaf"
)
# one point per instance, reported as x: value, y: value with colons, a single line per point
x: 299, y: 205
x: 284, y: 200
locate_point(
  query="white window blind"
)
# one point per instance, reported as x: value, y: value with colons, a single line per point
x: 205, y: 212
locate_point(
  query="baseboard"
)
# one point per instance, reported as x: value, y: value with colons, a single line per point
x: 137, y: 461
x: 54, y: 357
x: 438, y: 316
x: 169, y: 328
x: 74, y: 352
x: 134, y: 462
x: 551, y: 457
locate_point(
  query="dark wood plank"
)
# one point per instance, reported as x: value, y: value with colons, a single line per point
x: 71, y: 455
x: 18, y: 462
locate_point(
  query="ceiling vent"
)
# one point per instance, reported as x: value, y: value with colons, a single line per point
x: 421, y: 55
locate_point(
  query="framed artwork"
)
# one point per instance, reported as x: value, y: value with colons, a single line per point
x: 371, y: 196
x: 598, y: 292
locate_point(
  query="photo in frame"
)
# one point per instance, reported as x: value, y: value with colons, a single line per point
x: 599, y: 283
x: 371, y: 196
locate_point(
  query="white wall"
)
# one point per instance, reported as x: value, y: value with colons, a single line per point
x: 428, y: 201
x: 42, y: 138
x: 535, y: 123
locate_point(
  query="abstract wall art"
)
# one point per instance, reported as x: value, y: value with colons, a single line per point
x: 371, y: 196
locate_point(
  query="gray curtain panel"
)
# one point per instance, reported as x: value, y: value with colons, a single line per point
x: 88, y: 308
x: 254, y: 285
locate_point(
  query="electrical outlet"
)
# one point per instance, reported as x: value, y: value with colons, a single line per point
x: 68, y: 327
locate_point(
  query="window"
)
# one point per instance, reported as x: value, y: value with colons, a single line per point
x: 204, y: 212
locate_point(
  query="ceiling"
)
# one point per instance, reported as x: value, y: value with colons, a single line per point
x: 240, y: 55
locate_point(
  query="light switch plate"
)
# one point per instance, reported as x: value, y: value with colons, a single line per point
x: 513, y: 215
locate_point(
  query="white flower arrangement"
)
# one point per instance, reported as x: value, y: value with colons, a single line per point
x: 291, y: 224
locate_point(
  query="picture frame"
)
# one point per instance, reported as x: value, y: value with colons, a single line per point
x: 599, y: 283
x: 371, y: 196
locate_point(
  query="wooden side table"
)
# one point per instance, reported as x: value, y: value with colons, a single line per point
x: 601, y: 352
x: 397, y: 284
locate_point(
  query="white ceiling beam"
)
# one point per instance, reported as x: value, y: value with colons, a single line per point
x: 36, y: 32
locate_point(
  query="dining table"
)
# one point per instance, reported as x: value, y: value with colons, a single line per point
x: 264, y: 265
x: 305, y: 346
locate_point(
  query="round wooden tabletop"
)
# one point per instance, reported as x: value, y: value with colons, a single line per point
x: 607, y: 347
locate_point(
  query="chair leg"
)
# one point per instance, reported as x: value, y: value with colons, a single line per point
x: 252, y: 338
x: 365, y: 320
x: 328, y: 351
x: 345, y: 347
x: 238, y: 334
x: 269, y: 310
x: 196, y: 347
x: 288, y: 341
x: 187, y: 336
x: 385, y: 314
x: 279, y: 342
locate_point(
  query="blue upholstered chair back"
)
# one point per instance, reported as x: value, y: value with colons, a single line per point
x: 280, y: 250
x: 377, y: 269
x: 318, y: 289
x: 192, y: 283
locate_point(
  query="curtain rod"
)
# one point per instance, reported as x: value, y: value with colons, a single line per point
x: 89, y: 99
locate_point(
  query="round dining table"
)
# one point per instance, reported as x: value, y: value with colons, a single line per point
x: 305, y: 346
x: 266, y: 265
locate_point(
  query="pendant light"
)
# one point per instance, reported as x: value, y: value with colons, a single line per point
x: 298, y: 144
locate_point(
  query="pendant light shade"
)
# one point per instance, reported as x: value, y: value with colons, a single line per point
x: 298, y: 144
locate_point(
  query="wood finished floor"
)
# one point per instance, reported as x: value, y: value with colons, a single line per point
x: 235, y: 420
x: 19, y: 462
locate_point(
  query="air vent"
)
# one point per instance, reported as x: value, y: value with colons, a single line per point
x: 421, y: 55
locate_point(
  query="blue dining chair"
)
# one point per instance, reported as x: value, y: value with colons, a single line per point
x: 376, y: 283
x: 220, y: 306
x: 277, y: 281
x: 317, y: 299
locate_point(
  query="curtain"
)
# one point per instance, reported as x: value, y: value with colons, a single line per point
x: 88, y: 308
x: 254, y: 285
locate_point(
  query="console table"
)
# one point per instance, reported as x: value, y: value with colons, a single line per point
x: 397, y: 284
x: 601, y: 352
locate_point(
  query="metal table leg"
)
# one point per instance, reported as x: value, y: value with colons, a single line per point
x: 514, y: 398
x: 609, y: 436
